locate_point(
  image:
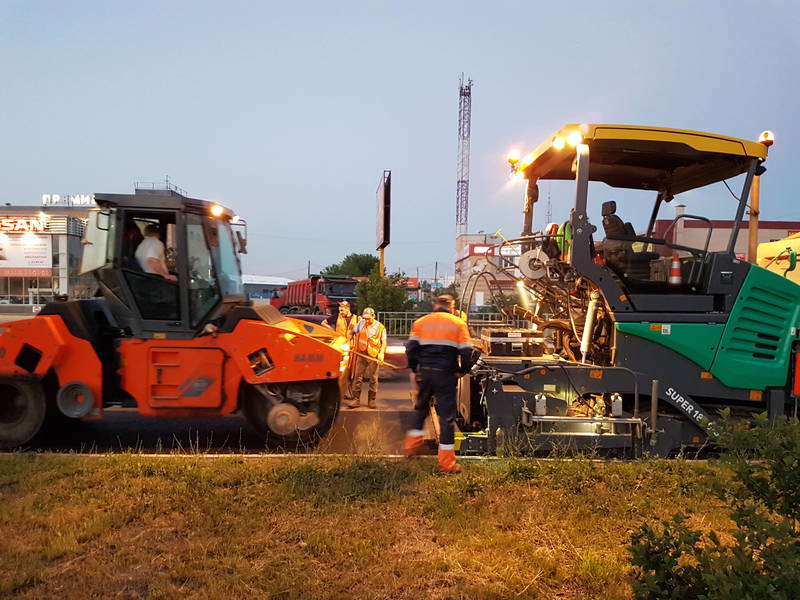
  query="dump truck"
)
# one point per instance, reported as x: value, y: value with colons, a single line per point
x: 317, y: 295
x: 185, y: 346
x: 619, y: 340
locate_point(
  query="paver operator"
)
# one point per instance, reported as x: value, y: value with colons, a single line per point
x: 439, y: 351
x: 150, y: 253
x: 370, y: 337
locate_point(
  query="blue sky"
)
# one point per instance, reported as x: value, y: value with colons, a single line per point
x: 289, y: 112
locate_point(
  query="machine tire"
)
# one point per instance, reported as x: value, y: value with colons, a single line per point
x: 255, y: 408
x: 23, y: 408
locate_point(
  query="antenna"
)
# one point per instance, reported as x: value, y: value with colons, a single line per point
x: 462, y: 181
x: 548, y: 215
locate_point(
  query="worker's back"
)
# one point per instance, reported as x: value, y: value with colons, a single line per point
x: 437, y: 339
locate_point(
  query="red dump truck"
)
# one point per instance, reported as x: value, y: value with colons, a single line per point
x: 317, y: 295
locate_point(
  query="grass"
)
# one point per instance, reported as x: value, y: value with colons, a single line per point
x: 133, y: 526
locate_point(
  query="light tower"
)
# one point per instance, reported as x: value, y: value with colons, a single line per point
x: 462, y: 182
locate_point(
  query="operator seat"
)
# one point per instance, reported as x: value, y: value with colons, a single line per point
x: 616, y: 252
x: 132, y: 237
x: 619, y: 254
x: 612, y: 224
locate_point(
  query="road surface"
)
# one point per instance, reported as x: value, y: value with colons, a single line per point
x: 360, y: 430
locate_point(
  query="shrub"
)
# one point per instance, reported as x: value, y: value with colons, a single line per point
x: 759, y: 557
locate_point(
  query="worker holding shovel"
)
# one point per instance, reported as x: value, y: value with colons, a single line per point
x: 370, y: 338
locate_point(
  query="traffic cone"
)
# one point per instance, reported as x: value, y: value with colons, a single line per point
x: 675, y: 270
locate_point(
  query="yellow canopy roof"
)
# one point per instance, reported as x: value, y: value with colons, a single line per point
x: 643, y: 157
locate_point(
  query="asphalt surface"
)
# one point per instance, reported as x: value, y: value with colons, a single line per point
x: 360, y: 430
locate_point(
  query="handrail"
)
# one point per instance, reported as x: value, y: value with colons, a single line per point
x: 705, y: 248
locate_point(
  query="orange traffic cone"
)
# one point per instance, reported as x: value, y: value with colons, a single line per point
x: 675, y: 270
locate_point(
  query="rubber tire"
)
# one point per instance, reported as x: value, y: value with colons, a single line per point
x: 253, y: 406
x: 26, y: 425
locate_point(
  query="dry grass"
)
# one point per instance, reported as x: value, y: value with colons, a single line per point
x: 133, y: 526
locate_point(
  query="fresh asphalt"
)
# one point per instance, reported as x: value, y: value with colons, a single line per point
x: 360, y: 430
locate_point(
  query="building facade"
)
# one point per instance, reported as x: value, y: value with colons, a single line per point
x: 694, y: 232
x: 477, y: 253
x: 40, y: 252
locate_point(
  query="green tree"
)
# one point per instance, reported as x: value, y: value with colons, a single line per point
x: 384, y: 294
x: 353, y: 265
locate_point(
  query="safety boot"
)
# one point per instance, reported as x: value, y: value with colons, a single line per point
x: 371, y: 401
x: 413, y: 443
x: 354, y: 404
x: 447, y: 460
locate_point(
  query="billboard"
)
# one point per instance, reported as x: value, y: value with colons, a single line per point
x: 384, y: 198
x: 26, y: 255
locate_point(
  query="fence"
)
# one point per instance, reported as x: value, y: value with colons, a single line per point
x: 399, y: 323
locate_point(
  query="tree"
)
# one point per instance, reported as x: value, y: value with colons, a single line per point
x: 384, y: 294
x: 353, y: 265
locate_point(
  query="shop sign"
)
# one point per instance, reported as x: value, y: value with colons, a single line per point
x: 12, y: 225
x: 26, y: 255
x: 67, y: 199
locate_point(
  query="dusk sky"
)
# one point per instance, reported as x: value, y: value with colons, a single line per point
x: 289, y: 112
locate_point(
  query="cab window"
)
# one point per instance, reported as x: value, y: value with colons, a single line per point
x: 202, y: 284
x: 156, y: 297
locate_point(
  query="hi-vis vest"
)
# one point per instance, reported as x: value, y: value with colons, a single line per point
x: 370, y: 345
x: 441, y: 329
x: 344, y: 325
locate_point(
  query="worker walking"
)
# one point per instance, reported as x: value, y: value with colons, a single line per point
x: 345, y: 324
x: 439, y: 351
x: 370, y: 339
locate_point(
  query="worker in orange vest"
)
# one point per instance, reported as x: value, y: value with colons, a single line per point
x: 439, y: 350
x: 370, y: 340
x: 345, y: 323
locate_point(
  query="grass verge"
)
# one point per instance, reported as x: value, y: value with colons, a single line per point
x: 134, y: 526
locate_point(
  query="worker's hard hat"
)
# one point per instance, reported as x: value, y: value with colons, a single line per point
x: 368, y: 312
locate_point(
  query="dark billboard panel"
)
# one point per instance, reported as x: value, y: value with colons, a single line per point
x: 384, y: 200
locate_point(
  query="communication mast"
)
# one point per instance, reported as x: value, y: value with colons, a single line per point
x: 462, y: 182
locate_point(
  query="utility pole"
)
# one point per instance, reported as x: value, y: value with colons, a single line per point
x: 767, y: 138
x: 464, y: 127
x: 436, y: 275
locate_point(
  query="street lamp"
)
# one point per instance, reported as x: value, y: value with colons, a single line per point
x: 767, y: 138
